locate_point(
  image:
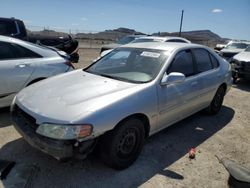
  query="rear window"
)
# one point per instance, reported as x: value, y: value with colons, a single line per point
x: 176, y: 40
x: 7, y: 27
x: 214, y: 61
x: 9, y: 51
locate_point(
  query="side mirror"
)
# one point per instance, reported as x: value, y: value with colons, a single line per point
x: 173, y: 78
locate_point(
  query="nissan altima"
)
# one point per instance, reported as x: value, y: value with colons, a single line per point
x: 120, y: 100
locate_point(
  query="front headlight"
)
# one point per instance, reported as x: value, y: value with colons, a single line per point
x: 64, y: 132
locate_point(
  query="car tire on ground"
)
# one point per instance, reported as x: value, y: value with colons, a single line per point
x: 122, y: 146
x: 217, y: 101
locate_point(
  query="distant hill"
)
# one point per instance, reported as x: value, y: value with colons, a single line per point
x: 205, y: 37
x: 108, y: 34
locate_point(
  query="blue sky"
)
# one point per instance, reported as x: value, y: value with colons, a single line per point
x: 228, y: 18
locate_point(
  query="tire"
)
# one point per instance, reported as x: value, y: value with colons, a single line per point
x: 217, y: 101
x: 122, y: 146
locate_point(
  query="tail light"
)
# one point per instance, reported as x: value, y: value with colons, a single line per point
x: 68, y: 63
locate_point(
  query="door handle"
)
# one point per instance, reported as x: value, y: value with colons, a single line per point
x: 22, y: 65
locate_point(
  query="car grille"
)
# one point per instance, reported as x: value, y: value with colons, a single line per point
x: 29, y: 120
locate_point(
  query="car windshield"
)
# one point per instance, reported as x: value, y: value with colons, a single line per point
x: 248, y: 49
x: 236, y: 46
x: 125, y: 40
x: 130, y: 64
x: 146, y: 40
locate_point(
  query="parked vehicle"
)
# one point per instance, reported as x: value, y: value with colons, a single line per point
x: 23, y: 63
x: 160, y: 39
x: 233, y: 48
x: 122, y: 41
x: 15, y: 28
x: 241, y: 65
x: 120, y: 100
x: 219, y: 47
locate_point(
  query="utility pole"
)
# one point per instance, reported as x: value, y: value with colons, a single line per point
x: 182, y: 12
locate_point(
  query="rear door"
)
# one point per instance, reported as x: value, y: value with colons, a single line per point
x: 208, y: 73
x: 15, y: 67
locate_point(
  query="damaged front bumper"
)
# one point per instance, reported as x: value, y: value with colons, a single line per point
x: 59, y: 149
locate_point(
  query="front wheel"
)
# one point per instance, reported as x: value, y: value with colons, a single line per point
x: 217, y: 101
x: 121, y: 147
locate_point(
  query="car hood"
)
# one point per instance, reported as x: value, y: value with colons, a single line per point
x: 243, y: 56
x: 68, y: 97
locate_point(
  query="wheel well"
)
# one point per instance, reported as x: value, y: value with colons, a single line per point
x: 34, y: 81
x: 141, y: 117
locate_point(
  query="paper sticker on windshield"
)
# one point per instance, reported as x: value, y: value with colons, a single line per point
x: 151, y: 54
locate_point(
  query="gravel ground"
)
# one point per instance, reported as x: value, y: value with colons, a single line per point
x: 163, y: 162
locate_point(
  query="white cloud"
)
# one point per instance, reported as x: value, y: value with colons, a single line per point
x: 75, y: 24
x: 84, y: 19
x: 216, y: 10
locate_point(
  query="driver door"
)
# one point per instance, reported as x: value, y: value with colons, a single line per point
x: 176, y: 101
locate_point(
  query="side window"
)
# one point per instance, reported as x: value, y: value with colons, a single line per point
x: 214, y: 61
x: 183, y: 63
x: 202, y: 60
x: 7, y: 27
x: 9, y: 51
x: 6, y: 51
x: 176, y: 40
x: 22, y: 52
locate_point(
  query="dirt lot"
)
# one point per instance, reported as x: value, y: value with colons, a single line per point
x: 164, y: 160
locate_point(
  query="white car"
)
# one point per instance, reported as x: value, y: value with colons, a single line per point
x: 23, y: 63
x: 117, y: 102
x: 233, y: 48
x: 152, y: 39
x: 241, y: 65
x: 161, y: 39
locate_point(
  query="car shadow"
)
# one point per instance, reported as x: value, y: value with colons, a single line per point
x: 160, y: 151
x: 5, y: 119
x: 242, y: 84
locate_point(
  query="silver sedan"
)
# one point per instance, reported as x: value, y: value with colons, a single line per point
x: 120, y: 100
x: 23, y: 63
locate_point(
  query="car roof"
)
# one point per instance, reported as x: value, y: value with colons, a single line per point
x: 238, y: 41
x: 9, y: 39
x: 161, y: 45
x: 162, y: 38
x: 44, y: 51
x: 6, y: 19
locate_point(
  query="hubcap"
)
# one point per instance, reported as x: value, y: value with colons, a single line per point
x: 127, y: 142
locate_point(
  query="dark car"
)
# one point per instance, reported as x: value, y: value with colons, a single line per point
x: 15, y: 28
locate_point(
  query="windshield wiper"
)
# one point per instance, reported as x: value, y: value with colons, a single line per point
x: 115, y: 77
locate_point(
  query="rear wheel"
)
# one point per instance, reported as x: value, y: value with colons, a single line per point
x: 217, y: 101
x: 121, y: 147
